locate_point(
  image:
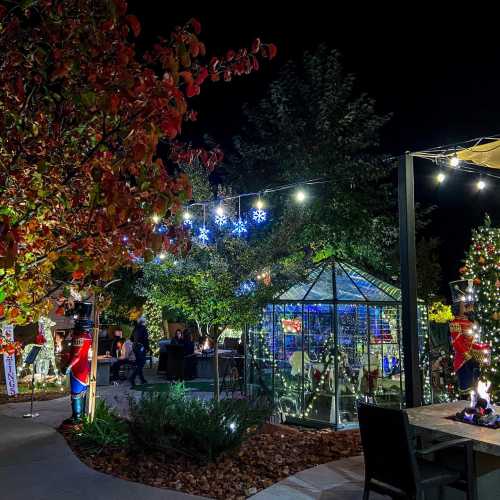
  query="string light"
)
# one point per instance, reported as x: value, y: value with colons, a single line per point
x: 454, y: 161
x: 441, y: 177
x: 480, y: 185
x: 259, y: 215
x: 300, y: 196
x: 156, y: 218
x: 220, y: 216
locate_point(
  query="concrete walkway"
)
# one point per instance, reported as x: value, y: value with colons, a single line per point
x: 37, y: 464
x: 339, y: 480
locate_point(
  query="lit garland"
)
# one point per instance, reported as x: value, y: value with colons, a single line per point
x: 154, y: 322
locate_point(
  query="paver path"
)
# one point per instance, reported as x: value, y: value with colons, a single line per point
x: 37, y: 464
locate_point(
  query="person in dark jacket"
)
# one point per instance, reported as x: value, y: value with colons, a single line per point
x: 189, y: 358
x: 140, y: 339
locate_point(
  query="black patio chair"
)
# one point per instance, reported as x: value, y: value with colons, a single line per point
x: 394, y: 467
x: 175, y: 362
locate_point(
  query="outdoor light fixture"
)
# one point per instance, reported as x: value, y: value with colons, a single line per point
x: 156, y: 218
x: 300, y: 195
x: 481, y: 185
x: 440, y: 177
x: 454, y: 161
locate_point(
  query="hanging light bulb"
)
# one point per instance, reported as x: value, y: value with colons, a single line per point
x: 454, y: 161
x: 156, y: 218
x: 162, y: 256
x: 259, y: 215
x: 186, y: 215
x: 440, y: 177
x: 219, y: 210
x: 481, y: 184
x: 300, y: 195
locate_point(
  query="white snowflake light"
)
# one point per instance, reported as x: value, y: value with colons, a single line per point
x: 203, y: 235
x: 259, y: 215
x: 239, y: 227
x: 220, y: 219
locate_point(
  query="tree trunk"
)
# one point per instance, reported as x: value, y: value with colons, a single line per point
x: 216, y: 369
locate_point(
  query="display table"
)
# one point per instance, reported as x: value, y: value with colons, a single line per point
x: 103, y: 369
x: 430, y: 421
x: 205, y: 363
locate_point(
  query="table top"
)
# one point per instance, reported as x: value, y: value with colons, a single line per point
x: 105, y: 359
x: 433, y: 418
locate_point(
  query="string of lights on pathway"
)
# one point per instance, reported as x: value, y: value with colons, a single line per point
x: 216, y: 218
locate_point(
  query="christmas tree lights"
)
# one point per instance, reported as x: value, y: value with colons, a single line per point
x: 482, y: 266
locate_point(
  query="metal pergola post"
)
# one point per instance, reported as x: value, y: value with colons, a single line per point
x: 407, y: 251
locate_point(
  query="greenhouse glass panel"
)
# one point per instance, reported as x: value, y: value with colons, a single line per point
x: 346, y: 289
x: 322, y: 289
x: 335, y: 341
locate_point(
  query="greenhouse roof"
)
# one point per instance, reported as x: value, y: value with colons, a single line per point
x: 334, y: 281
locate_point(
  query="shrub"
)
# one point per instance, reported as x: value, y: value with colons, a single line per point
x: 201, y: 429
x: 108, y: 430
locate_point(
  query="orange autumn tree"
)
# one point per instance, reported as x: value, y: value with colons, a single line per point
x: 81, y: 118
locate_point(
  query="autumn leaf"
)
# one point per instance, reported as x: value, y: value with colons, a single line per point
x: 134, y: 24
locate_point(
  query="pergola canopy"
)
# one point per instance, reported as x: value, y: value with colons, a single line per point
x: 484, y: 152
x: 334, y: 281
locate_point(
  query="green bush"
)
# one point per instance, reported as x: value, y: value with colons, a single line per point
x: 201, y: 429
x: 108, y: 430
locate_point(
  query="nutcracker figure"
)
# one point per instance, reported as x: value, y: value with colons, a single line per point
x: 469, y: 354
x: 79, y: 365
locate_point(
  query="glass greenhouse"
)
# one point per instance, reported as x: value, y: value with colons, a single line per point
x: 328, y: 342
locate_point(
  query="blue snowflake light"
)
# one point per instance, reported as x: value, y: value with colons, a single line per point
x: 221, y: 219
x: 246, y: 288
x: 203, y: 235
x: 239, y: 227
x: 259, y: 215
x: 188, y: 223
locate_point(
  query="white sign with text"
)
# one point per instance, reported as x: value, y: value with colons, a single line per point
x: 9, y: 363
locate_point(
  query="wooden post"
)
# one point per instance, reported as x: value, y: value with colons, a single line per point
x: 93, y: 367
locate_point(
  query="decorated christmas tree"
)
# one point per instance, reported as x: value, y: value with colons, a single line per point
x: 482, y: 265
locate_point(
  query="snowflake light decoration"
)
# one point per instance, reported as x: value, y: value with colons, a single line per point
x: 188, y: 223
x: 239, y: 227
x: 203, y: 235
x: 221, y: 219
x: 259, y: 215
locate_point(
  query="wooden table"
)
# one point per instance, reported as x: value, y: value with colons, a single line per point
x: 431, y: 421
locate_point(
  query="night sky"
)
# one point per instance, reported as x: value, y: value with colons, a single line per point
x: 436, y: 72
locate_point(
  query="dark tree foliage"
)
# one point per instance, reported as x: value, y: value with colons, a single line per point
x: 313, y: 124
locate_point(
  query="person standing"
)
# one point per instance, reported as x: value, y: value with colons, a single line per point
x: 140, y: 340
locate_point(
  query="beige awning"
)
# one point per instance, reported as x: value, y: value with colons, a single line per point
x: 485, y: 155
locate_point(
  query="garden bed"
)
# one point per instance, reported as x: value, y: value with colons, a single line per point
x: 262, y: 460
x: 25, y: 397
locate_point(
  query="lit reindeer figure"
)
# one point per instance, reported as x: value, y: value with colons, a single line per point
x: 46, y: 357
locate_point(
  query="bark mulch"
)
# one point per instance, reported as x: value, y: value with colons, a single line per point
x: 23, y: 398
x: 264, y: 459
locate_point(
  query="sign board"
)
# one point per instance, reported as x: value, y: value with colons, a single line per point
x: 31, y: 357
x: 9, y: 363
